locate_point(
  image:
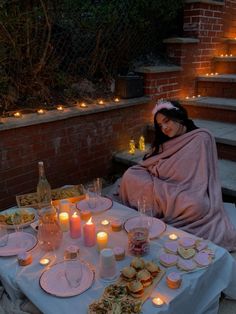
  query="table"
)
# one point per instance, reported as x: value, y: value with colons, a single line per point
x: 199, y: 292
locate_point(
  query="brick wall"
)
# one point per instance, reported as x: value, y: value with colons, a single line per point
x: 74, y: 150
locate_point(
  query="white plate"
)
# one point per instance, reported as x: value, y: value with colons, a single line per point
x: 17, y: 242
x: 157, y: 228
x: 14, y: 210
x: 102, y: 205
x: 53, y: 280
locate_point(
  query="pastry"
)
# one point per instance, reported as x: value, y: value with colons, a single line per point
x: 201, y: 245
x: 24, y: 258
x: 202, y: 259
x: 138, y: 263
x: 153, y: 268
x: 119, y: 253
x: 71, y: 252
x: 186, y: 264
x: 186, y: 253
x: 173, y: 280
x: 144, y: 277
x: 116, y: 225
x: 187, y: 242
x: 128, y: 273
x: 171, y: 247
x: 168, y: 260
x: 135, y: 288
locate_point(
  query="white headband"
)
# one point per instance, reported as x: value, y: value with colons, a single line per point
x: 163, y: 104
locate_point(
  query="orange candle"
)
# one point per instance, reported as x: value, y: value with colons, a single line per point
x: 89, y: 233
x: 64, y: 221
x: 75, y: 226
x: 102, y: 240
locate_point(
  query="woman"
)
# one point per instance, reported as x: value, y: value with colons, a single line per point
x: 179, y: 178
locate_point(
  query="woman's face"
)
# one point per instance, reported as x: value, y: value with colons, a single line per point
x: 169, y: 127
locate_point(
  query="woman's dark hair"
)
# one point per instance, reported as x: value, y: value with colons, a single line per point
x: 178, y: 114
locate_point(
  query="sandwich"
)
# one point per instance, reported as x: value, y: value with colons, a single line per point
x: 138, y: 263
x: 145, y: 277
x: 128, y: 273
x: 135, y: 288
x: 153, y: 268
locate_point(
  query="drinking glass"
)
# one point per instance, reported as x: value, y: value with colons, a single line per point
x: 3, y: 236
x: 146, y: 212
x: 90, y: 194
x: 98, y: 188
x: 73, y: 273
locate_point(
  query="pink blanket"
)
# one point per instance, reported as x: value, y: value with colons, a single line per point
x: 183, y: 186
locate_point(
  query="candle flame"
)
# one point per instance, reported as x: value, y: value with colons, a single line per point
x: 89, y: 222
x: 75, y: 214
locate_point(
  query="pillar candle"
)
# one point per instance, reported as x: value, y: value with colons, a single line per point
x: 89, y: 233
x: 102, y: 240
x: 75, y: 226
x: 64, y: 221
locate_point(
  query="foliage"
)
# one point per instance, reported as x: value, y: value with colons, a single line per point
x: 45, y: 45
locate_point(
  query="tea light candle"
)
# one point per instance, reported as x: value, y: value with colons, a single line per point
x: 85, y: 214
x: 89, y: 233
x: 17, y: 114
x: 44, y: 261
x: 64, y: 221
x: 83, y: 105
x: 102, y: 240
x: 75, y: 226
x: 101, y: 102
x: 173, y: 236
x: 60, y: 108
x: 105, y: 223
x: 40, y: 111
x: 157, y: 301
x: 116, y: 99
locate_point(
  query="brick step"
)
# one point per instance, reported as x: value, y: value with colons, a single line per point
x: 224, y: 133
x: 222, y: 85
x: 226, y: 65
x: 214, y: 108
x: 227, y: 169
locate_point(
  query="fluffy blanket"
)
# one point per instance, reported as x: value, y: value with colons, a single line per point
x: 183, y: 186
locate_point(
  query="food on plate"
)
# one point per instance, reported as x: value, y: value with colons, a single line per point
x: 171, y: 247
x: 153, y: 268
x: 186, y: 264
x: 128, y: 273
x: 173, y: 280
x: 187, y: 242
x: 144, y: 277
x: 24, y: 258
x: 119, y: 253
x: 20, y: 216
x: 186, y: 253
x: 135, y: 288
x: 168, y: 260
x: 138, y: 263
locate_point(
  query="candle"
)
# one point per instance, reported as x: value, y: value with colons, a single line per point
x: 116, y: 99
x: 105, y: 223
x: 89, y: 233
x: 83, y: 105
x: 173, y: 236
x: 75, y: 226
x: 157, y: 301
x: 85, y: 215
x: 44, y: 261
x: 60, y: 108
x: 102, y: 240
x: 101, y: 102
x: 64, y: 221
x: 41, y: 111
x: 17, y: 114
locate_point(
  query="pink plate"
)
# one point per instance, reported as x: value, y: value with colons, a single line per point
x: 102, y: 205
x: 17, y: 242
x: 157, y: 227
x: 53, y: 280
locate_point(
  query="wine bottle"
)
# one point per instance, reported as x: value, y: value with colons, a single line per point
x: 43, y: 188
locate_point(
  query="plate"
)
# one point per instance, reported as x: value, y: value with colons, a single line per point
x: 157, y: 228
x: 17, y: 242
x: 53, y: 280
x: 21, y: 212
x: 102, y: 204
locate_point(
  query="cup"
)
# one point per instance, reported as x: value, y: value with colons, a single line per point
x: 3, y: 236
x: 146, y: 213
x: 107, y: 264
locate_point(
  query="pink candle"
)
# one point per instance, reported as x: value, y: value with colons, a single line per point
x: 89, y: 233
x: 75, y: 226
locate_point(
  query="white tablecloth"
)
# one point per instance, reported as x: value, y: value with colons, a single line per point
x: 199, y: 292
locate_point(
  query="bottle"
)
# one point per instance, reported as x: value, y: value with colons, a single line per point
x: 131, y: 147
x: 142, y: 143
x: 43, y: 188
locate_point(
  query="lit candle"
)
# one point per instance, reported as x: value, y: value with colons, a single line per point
x: 117, y: 99
x: 60, y: 108
x: 44, y: 261
x: 75, y: 226
x: 83, y: 105
x: 89, y: 233
x: 173, y: 236
x: 157, y: 301
x: 187, y: 97
x: 17, y: 114
x: 102, y: 240
x: 198, y: 95
x: 101, y: 102
x: 131, y: 147
x: 41, y: 111
x: 105, y: 223
x: 64, y: 221
x: 216, y: 73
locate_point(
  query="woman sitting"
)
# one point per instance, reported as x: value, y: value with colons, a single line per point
x: 179, y: 177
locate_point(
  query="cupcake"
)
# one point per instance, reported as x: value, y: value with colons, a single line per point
x: 116, y: 225
x: 173, y: 280
x: 119, y: 253
x: 24, y: 258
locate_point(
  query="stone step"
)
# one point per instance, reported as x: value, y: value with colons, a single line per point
x: 221, y: 85
x: 214, y: 108
x: 227, y: 169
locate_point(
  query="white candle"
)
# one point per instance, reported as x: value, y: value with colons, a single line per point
x: 75, y: 226
x: 102, y: 240
x: 173, y: 236
x: 64, y: 221
x: 105, y: 223
x: 89, y: 233
x: 157, y: 301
